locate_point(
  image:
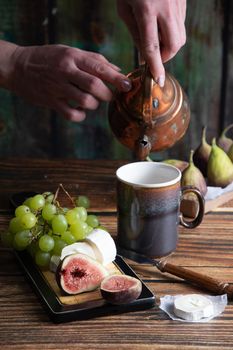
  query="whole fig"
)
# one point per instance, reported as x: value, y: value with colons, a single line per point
x: 230, y: 153
x: 220, y: 167
x: 78, y: 273
x: 223, y: 141
x: 180, y: 164
x: 120, y: 289
x: 202, y: 153
x: 192, y: 176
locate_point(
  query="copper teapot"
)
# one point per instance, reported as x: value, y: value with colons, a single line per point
x: 149, y: 118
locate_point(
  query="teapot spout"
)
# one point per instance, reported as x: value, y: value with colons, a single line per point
x: 142, y: 148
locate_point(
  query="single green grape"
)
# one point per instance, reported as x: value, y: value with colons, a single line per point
x: 55, y: 237
x: 28, y: 220
x: 89, y: 230
x: 68, y: 237
x: 92, y: 221
x: 48, y: 211
x: 48, y: 196
x: 72, y: 216
x: 15, y: 225
x: 42, y: 258
x: 59, y: 244
x: 7, y: 239
x: 82, y: 201
x: 82, y: 212
x: 46, y: 243
x: 22, y: 238
x: 27, y: 202
x: 37, y: 202
x: 21, y: 210
x: 79, y: 230
x: 59, y: 223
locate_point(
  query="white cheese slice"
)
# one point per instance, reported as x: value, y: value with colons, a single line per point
x: 79, y: 247
x: 54, y: 262
x: 103, y: 245
x: 193, y: 307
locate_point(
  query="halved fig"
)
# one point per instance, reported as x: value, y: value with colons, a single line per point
x: 120, y: 289
x: 78, y: 273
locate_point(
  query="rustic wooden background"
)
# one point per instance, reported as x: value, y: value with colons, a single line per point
x: 204, y: 67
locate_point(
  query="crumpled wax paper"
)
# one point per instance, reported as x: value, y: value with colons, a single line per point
x: 214, y: 192
x: 167, y: 305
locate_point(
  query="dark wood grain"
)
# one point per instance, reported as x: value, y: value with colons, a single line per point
x: 207, y: 249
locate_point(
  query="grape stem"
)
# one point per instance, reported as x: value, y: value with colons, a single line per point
x: 35, y: 235
x: 67, y: 193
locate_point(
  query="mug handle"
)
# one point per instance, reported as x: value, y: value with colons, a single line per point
x: 201, y: 211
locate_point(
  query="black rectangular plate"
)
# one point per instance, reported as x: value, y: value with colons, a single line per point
x: 59, y: 312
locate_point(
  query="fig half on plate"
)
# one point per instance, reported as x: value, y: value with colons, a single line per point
x: 78, y: 273
x: 120, y: 289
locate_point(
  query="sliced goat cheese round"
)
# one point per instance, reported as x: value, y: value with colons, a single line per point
x: 103, y: 245
x: 193, y: 307
x: 79, y: 247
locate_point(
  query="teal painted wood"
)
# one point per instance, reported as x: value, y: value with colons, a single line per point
x: 198, y: 68
x: 26, y: 130
x: 228, y: 101
x: 95, y: 27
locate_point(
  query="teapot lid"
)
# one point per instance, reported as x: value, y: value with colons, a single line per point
x: 147, y: 101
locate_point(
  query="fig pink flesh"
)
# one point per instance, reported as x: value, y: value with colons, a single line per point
x: 79, y: 274
x: 120, y: 289
x: 118, y: 283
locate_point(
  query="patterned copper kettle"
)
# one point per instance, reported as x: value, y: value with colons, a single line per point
x: 149, y: 118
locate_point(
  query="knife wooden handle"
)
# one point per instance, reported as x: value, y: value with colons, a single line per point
x: 209, y: 283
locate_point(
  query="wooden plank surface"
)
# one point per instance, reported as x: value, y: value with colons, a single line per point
x: 207, y: 249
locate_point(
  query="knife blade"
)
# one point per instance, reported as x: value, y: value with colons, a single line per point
x: 137, y: 257
x: 202, y: 281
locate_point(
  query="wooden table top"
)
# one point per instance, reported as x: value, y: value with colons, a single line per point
x: 208, y: 249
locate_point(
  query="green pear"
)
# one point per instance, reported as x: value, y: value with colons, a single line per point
x: 220, y: 167
x: 202, y: 153
x: 192, y: 176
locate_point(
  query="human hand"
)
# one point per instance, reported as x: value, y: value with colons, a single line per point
x: 158, y: 30
x: 65, y: 79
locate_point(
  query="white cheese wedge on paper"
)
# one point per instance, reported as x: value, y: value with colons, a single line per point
x: 193, y: 307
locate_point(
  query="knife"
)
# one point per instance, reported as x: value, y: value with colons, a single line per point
x: 206, y: 282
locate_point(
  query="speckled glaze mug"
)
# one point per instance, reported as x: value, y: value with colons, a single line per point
x: 148, y: 207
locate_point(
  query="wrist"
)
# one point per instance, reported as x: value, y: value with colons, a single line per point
x: 7, y: 64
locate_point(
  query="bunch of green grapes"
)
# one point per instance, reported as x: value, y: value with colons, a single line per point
x: 44, y: 228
